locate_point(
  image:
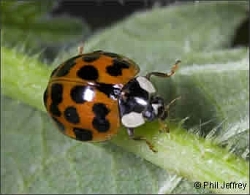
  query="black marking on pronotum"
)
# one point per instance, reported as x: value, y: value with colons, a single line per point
x: 132, y: 97
x: 161, y: 112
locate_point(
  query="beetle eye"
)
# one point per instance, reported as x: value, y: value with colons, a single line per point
x: 147, y: 114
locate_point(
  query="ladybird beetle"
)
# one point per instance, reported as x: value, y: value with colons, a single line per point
x: 90, y: 95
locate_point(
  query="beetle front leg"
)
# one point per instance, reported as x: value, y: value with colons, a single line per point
x: 165, y: 75
x: 140, y: 138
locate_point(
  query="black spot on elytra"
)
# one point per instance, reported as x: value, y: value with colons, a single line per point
x: 45, y: 97
x: 100, y: 110
x: 56, y: 97
x: 71, y: 115
x: 53, y: 72
x: 98, y: 52
x: 112, y: 55
x: 88, y: 72
x: 116, y: 68
x: 64, y: 70
x: 83, y: 134
x: 77, y: 94
x: 91, y: 57
x: 56, y: 93
x: 54, y: 110
x: 100, y: 123
x: 59, y: 124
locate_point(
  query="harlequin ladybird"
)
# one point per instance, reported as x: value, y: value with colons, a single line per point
x: 90, y: 95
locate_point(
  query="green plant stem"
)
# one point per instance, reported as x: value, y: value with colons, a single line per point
x: 25, y: 78
x: 192, y: 157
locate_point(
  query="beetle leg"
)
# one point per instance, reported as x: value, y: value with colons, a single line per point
x: 163, y: 125
x: 161, y: 74
x: 167, y: 107
x: 140, y: 138
x: 80, y: 50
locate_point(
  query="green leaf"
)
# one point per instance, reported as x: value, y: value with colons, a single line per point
x: 170, y: 33
x: 40, y: 160
x: 209, y: 125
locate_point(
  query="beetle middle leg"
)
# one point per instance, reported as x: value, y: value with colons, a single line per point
x: 163, y: 126
x: 80, y: 50
x: 140, y: 138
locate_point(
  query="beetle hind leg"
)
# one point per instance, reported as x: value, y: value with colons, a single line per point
x: 80, y: 49
x: 140, y: 138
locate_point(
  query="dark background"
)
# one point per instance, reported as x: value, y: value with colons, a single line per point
x: 99, y: 14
